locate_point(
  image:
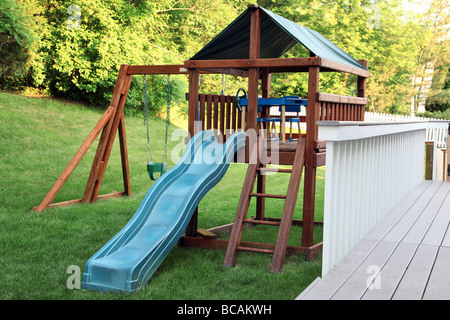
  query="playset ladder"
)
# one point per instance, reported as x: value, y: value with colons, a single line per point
x: 287, y: 216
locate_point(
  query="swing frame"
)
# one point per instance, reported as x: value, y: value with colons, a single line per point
x: 111, y: 123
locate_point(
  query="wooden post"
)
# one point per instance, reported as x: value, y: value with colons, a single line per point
x: 124, y: 157
x: 447, y: 163
x: 253, y: 81
x: 444, y: 165
x: 429, y: 150
x: 193, y: 100
x: 309, y: 193
x: 191, y: 229
x: 362, y: 87
x: 261, y: 179
x: 253, y: 77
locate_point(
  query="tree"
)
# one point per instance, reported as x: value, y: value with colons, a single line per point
x: 433, y: 53
x: 17, y: 39
x: 372, y: 30
x: 439, y: 100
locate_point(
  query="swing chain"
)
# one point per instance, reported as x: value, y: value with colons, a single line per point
x: 149, y: 152
x: 167, y: 120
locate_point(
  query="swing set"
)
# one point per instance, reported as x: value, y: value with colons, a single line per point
x: 256, y: 58
x: 156, y: 169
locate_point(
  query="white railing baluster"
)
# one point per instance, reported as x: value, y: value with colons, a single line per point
x: 370, y: 168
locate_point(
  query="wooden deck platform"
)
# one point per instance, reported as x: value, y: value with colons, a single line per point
x: 405, y: 257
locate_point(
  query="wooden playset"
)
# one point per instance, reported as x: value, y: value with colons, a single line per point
x: 219, y: 112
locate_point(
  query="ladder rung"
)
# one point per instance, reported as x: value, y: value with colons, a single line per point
x: 270, y: 223
x: 275, y: 170
x: 255, y: 250
x: 266, y: 195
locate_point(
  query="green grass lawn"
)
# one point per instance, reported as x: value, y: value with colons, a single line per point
x: 39, y: 136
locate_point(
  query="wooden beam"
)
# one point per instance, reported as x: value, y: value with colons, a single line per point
x: 362, y: 81
x: 261, y: 178
x: 75, y: 160
x: 230, y: 71
x: 176, y: 69
x: 193, y: 100
x: 362, y: 88
x: 124, y: 156
x: 253, y: 63
x: 157, y: 69
x: 336, y: 66
x: 429, y: 156
x: 221, y: 244
x: 255, y: 32
x: 309, y: 193
x: 191, y: 229
x: 327, y: 97
x: 253, y: 74
x: 281, y: 64
x: 77, y: 201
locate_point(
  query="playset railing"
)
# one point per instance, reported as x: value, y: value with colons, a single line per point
x: 218, y: 112
x: 341, y: 108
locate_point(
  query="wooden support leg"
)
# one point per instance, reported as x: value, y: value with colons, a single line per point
x: 124, y: 157
x: 75, y: 160
x: 193, y: 116
x: 108, y: 136
x: 261, y: 188
x: 309, y: 193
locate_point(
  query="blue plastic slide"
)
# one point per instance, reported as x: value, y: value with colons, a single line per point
x: 129, y: 259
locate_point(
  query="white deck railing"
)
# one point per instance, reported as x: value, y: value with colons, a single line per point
x: 370, y: 168
x: 438, y: 135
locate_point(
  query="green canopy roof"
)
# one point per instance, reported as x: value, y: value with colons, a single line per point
x: 278, y: 35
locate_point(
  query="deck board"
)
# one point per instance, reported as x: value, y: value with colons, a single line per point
x: 439, y: 282
x: 392, y: 273
x: 410, y: 248
x: 436, y: 233
x: 415, y: 279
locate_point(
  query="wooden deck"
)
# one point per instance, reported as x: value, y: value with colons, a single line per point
x: 405, y: 257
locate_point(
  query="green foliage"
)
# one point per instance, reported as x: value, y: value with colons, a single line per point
x: 441, y: 100
x: 17, y: 39
x: 435, y: 114
x: 82, y: 44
